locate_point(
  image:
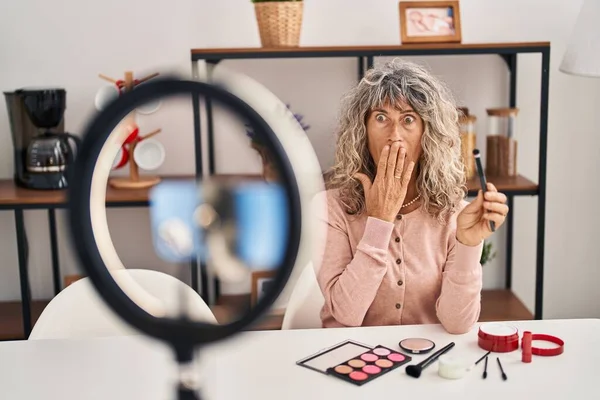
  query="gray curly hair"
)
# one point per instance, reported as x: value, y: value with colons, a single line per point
x: 440, y: 174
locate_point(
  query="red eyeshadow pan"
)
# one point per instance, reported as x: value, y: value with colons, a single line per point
x: 358, y: 376
x: 368, y: 357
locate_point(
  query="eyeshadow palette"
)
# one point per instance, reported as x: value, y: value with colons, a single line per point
x: 355, y: 362
x: 369, y: 365
x: 334, y: 355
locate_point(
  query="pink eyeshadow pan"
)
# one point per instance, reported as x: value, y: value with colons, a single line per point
x: 358, y: 376
x: 371, y: 369
x: 396, y: 357
x: 380, y: 351
x: 368, y: 357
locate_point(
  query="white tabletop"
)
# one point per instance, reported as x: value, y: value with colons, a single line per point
x: 262, y: 365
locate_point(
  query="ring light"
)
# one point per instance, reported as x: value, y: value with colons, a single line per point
x: 291, y: 153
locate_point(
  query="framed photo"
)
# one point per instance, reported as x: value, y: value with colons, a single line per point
x: 261, y: 281
x: 430, y: 22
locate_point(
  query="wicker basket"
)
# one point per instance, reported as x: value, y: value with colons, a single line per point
x: 279, y: 23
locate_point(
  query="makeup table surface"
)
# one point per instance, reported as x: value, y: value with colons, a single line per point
x: 262, y: 365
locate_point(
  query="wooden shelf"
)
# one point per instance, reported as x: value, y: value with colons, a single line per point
x: 366, y: 51
x: 497, y: 305
x: 11, y: 319
x: 518, y: 185
x: 502, y: 305
x: 12, y: 195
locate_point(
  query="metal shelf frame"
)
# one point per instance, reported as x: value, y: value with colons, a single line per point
x: 365, y: 57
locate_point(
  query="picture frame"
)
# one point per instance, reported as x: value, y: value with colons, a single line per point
x: 430, y: 22
x: 259, y: 284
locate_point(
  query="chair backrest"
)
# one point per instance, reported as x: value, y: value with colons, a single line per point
x: 305, y: 303
x: 78, y: 311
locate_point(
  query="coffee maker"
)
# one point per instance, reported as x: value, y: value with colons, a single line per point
x: 43, y: 152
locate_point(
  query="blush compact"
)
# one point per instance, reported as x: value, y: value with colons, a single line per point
x: 354, y: 362
x: 416, y: 345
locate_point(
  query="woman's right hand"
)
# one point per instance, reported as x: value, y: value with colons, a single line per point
x: 385, y: 195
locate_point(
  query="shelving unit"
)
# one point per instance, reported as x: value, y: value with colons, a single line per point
x: 519, y: 186
x: 497, y: 305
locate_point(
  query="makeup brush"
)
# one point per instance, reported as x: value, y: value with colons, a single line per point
x: 478, y: 361
x: 415, y: 370
x: 501, y: 369
x: 482, y: 357
x: 485, y: 368
x: 482, y: 180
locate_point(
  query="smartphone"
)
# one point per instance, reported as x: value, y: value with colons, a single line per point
x: 251, y: 218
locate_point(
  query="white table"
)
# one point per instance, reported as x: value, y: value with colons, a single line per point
x: 262, y: 365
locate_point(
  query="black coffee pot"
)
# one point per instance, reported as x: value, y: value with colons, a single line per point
x: 51, y: 152
x: 43, y: 151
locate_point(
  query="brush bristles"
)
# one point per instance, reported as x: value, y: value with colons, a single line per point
x: 414, y: 371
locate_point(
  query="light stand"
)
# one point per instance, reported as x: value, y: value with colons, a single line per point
x: 300, y: 178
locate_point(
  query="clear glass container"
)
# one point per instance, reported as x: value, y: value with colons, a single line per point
x: 468, y: 140
x: 501, y: 142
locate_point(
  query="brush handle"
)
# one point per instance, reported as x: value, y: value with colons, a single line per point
x: 483, y: 185
x: 482, y: 357
x: 485, y: 368
x: 425, y: 363
x: 481, y: 174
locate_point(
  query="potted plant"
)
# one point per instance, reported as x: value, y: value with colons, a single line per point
x: 279, y: 22
x: 487, y: 255
x: 269, y: 170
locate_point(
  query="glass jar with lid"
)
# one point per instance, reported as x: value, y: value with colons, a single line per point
x: 501, y: 142
x: 468, y: 140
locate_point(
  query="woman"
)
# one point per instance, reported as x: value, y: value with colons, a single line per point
x: 403, y: 246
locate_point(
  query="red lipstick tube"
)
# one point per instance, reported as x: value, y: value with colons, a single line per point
x: 526, y: 347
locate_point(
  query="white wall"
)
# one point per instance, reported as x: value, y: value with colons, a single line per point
x: 68, y: 43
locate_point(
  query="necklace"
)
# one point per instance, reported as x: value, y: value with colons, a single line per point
x: 411, y: 202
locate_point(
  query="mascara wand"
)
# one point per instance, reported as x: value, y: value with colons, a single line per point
x: 485, y: 368
x: 501, y: 369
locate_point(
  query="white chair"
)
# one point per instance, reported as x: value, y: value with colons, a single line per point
x: 305, y: 303
x: 78, y: 311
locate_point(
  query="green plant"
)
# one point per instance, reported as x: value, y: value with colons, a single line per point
x: 299, y: 118
x: 273, y: 1
x: 486, y: 254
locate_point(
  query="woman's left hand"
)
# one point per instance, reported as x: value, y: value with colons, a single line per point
x: 473, y: 223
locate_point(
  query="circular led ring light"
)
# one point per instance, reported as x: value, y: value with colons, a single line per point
x: 89, y: 228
